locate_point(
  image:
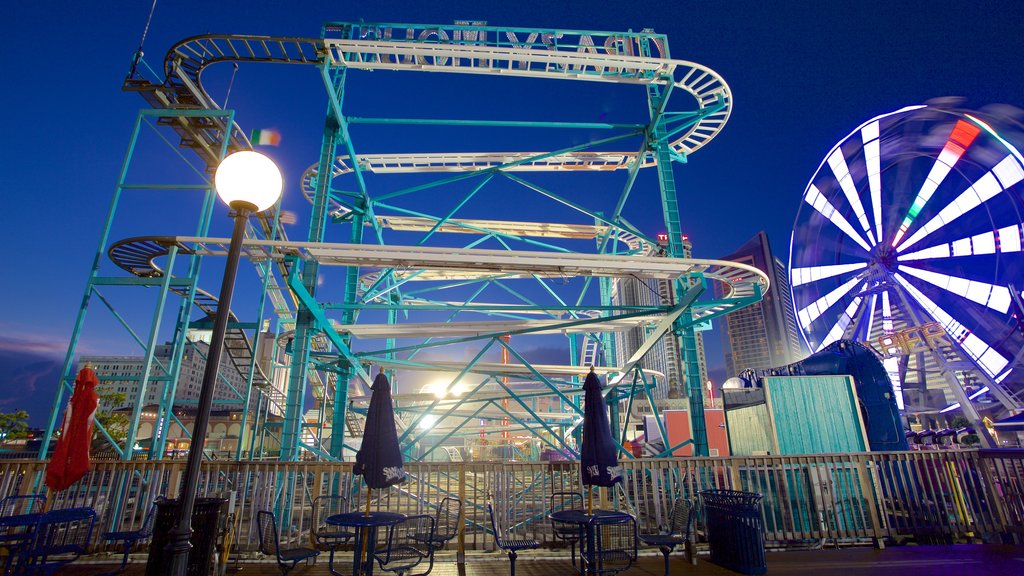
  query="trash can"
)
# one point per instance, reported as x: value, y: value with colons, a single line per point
x: 207, y: 514
x: 735, y: 533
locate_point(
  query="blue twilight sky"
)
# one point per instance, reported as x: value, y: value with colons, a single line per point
x: 802, y: 74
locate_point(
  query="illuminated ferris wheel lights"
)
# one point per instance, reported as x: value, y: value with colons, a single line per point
x: 946, y: 256
x: 817, y: 200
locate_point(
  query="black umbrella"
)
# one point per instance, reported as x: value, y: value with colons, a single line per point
x: 379, y: 460
x: 599, y: 461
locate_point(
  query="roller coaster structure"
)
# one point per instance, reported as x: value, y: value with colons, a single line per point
x: 327, y: 348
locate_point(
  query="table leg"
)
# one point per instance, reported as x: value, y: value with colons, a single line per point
x: 372, y: 533
x: 590, y: 549
x: 357, y: 555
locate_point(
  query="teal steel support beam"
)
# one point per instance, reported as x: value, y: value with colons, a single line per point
x: 687, y: 342
x: 305, y: 321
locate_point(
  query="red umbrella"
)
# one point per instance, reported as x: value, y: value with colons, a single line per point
x: 70, y: 459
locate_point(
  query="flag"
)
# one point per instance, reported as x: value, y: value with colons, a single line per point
x: 266, y: 137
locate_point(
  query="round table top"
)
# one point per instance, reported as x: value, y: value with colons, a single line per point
x: 362, y: 519
x: 576, y: 516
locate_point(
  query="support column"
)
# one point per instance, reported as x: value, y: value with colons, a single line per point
x: 681, y: 329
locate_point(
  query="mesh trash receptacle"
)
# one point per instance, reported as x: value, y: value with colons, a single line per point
x: 206, y: 519
x: 735, y: 533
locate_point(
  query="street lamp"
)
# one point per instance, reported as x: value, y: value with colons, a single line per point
x: 248, y: 182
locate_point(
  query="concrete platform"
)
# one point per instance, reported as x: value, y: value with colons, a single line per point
x: 958, y: 560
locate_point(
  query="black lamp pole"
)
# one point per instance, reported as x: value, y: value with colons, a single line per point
x: 179, y: 544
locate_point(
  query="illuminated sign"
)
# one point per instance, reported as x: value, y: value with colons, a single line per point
x: 487, y: 38
x: 911, y: 340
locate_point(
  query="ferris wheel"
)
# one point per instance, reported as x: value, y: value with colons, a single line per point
x: 911, y: 222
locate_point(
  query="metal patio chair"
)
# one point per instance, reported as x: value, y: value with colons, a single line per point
x: 270, y: 544
x: 678, y: 531
x: 510, y: 545
x: 407, y: 547
x: 614, y: 544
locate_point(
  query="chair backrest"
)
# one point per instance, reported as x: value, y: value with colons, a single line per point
x: 323, y: 507
x: 412, y: 534
x: 266, y: 523
x: 448, y: 516
x: 63, y: 531
x: 680, y: 518
x: 615, y: 534
x: 494, y: 524
x: 26, y: 504
x: 566, y: 501
x: 146, y: 530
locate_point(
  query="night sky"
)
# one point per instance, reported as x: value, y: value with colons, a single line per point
x: 803, y: 75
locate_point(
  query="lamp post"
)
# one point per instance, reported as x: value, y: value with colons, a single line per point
x: 248, y: 182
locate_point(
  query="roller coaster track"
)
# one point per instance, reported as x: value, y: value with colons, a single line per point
x: 186, y: 61
x: 182, y: 88
x: 738, y: 281
x: 139, y: 258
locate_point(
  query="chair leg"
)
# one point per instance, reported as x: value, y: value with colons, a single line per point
x: 572, y: 552
x: 512, y: 558
x: 666, y: 551
x: 124, y: 561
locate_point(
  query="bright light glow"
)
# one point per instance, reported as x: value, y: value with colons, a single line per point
x: 872, y: 159
x: 887, y: 327
x: 440, y: 389
x: 802, y: 276
x: 959, y: 140
x: 871, y: 315
x: 837, y: 162
x: 980, y: 192
x: 1009, y: 239
x: 892, y: 368
x: 427, y: 422
x: 816, y: 199
x: 251, y: 177
x: 995, y: 297
x: 819, y: 306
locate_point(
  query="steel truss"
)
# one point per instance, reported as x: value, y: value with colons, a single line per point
x: 498, y: 292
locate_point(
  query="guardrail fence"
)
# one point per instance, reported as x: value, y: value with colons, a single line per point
x: 940, y: 496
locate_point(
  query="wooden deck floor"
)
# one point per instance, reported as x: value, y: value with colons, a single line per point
x: 974, y: 559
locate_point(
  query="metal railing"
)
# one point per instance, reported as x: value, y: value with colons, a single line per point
x: 928, y: 496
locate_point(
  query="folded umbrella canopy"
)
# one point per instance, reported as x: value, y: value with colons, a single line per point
x: 70, y: 460
x: 379, y: 459
x: 598, y: 457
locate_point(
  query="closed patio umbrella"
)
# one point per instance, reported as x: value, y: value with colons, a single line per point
x: 70, y: 460
x: 599, y: 461
x: 379, y: 460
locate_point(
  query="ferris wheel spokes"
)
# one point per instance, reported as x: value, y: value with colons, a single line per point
x: 960, y: 139
x: 803, y: 276
x: 817, y: 200
x: 1004, y: 175
x: 872, y: 160
x: 841, y: 171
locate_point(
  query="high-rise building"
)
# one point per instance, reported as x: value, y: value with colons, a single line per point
x: 665, y: 357
x: 763, y: 335
x: 123, y: 375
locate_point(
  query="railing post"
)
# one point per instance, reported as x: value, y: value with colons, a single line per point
x: 460, y: 555
x: 867, y: 489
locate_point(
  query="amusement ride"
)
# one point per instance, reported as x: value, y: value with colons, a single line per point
x: 433, y: 280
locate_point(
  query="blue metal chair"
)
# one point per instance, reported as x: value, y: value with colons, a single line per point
x: 510, y: 545
x: 270, y: 544
x: 569, y: 533
x: 326, y: 536
x: 614, y: 544
x: 130, y: 538
x: 407, y: 547
x: 58, y: 539
x: 677, y: 532
x: 19, y: 514
x: 446, y: 524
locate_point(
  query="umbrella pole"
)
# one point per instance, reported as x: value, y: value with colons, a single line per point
x: 590, y: 500
x: 366, y: 531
